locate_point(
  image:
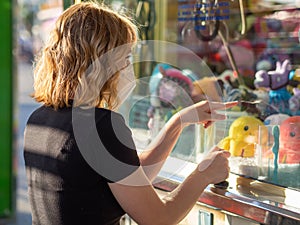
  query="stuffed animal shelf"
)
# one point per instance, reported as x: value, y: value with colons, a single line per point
x: 243, y: 136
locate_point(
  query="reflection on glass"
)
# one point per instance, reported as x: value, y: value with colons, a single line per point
x: 229, y: 51
x: 279, y: 156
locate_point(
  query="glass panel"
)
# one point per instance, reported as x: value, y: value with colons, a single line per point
x: 227, y: 50
x: 278, y: 153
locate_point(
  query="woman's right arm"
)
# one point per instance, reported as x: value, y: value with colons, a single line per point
x: 139, y: 199
x: 204, y: 113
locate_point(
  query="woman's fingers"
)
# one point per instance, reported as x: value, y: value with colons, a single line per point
x: 226, y: 153
x: 212, y: 106
x: 218, y: 149
x: 212, y: 117
x: 215, y: 148
x: 204, y: 112
x: 206, y: 124
x: 217, y: 116
x: 231, y: 104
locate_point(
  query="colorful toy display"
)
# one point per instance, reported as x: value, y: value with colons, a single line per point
x: 243, y: 135
x: 289, y: 141
x: 276, y: 82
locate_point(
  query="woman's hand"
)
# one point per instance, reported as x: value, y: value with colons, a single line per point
x: 215, y: 165
x: 143, y: 204
x: 204, y: 113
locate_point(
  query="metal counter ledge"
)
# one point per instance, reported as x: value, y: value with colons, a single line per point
x: 259, y: 201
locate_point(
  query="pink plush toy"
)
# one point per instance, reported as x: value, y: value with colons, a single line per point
x: 289, y: 141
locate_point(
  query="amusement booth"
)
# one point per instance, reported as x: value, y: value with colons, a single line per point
x: 223, y: 50
x: 218, y: 50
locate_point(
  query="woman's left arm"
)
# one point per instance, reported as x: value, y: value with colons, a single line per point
x: 154, y: 156
x: 204, y: 112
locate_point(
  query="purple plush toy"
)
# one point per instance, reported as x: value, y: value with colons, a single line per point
x: 276, y: 81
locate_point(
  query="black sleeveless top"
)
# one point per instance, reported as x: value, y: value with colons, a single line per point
x: 70, y: 156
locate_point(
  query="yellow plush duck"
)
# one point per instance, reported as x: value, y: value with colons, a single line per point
x: 243, y: 135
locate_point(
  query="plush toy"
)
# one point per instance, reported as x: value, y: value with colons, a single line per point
x: 294, y: 80
x: 267, y: 60
x: 275, y: 119
x: 289, y: 141
x: 174, y: 88
x: 294, y: 101
x: 155, y: 78
x: 243, y: 136
x: 276, y: 82
x: 170, y: 91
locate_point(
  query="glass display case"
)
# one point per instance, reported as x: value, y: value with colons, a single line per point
x: 224, y: 50
x: 220, y: 51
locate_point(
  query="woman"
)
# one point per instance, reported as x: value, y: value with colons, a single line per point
x: 77, y: 177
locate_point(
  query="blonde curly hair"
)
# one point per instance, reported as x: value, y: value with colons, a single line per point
x: 82, y: 59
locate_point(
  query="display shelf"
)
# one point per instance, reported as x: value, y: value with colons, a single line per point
x: 245, y: 197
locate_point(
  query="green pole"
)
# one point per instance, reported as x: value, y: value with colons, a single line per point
x: 68, y: 3
x: 6, y: 112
